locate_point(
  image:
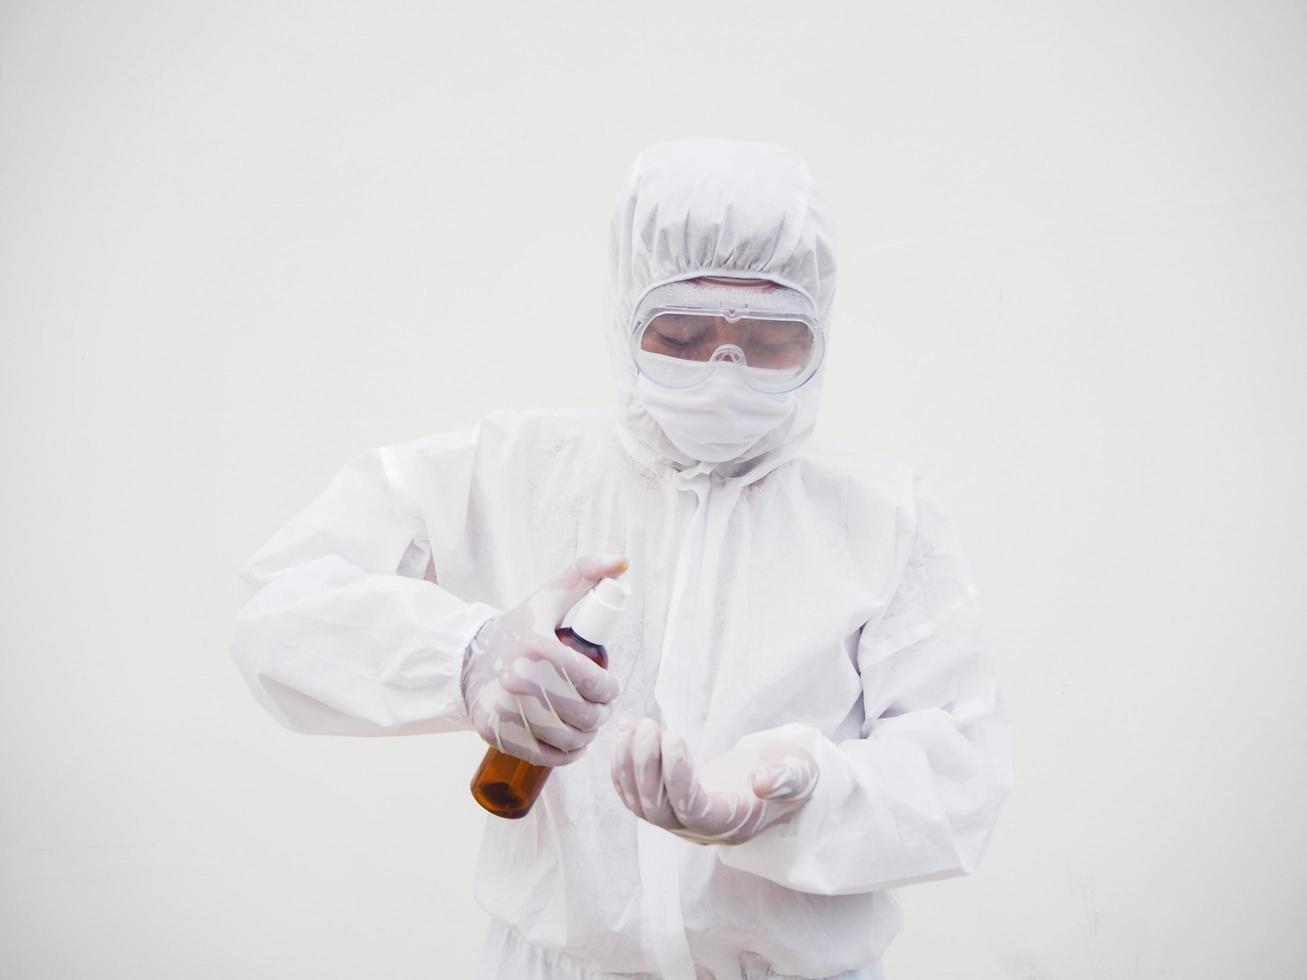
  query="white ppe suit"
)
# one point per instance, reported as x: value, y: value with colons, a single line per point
x: 802, y: 592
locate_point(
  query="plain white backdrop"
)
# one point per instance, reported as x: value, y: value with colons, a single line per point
x: 241, y: 242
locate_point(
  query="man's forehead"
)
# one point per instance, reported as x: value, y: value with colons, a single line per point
x: 761, y: 284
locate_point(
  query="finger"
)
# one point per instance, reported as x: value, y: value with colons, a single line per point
x: 586, y: 716
x: 593, y: 566
x: 666, y: 815
x: 789, y: 778
x: 544, y: 755
x: 583, y: 675
x: 707, y: 817
x: 508, y: 734
x: 615, y: 757
x: 565, y: 715
x: 646, y: 749
x: 685, y: 795
x: 566, y: 589
x: 678, y: 777
x: 622, y: 772
x: 630, y: 778
x: 545, y: 728
x: 523, y: 720
x: 538, y: 675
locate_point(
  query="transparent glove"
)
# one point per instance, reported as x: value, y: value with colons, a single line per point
x: 727, y: 800
x: 527, y: 693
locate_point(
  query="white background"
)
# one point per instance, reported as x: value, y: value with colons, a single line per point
x: 242, y: 242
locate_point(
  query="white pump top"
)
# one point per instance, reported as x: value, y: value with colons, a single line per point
x: 595, y: 617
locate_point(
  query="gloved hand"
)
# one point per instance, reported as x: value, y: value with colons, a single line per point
x: 529, y: 694
x: 727, y: 800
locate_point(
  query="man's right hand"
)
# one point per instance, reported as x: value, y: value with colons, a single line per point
x: 529, y: 694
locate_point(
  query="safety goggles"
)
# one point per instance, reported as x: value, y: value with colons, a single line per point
x: 683, y: 331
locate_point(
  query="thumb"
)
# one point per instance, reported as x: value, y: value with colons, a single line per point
x: 790, y: 780
x: 578, y: 578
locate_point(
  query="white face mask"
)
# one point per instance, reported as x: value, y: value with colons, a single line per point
x: 717, y: 419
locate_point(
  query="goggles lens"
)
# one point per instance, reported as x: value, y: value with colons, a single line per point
x: 682, y: 330
x: 696, y: 337
x: 678, y: 348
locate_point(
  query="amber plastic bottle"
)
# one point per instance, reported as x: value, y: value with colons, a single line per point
x: 507, y: 786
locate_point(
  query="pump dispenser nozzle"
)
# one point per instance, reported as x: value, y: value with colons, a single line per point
x: 597, y: 613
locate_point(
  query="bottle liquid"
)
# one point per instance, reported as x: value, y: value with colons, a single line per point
x: 507, y: 786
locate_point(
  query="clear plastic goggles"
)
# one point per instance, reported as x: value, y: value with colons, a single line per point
x: 683, y: 331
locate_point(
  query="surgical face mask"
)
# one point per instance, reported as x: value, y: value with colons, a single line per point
x: 716, y: 419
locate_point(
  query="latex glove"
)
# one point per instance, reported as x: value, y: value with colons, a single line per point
x: 727, y: 800
x: 529, y: 694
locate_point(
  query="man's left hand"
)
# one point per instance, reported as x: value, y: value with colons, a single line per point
x: 727, y: 800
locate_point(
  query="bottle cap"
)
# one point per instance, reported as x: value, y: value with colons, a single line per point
x: 595, y: 616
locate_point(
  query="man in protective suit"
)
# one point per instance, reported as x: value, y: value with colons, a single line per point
x: 807, y: 716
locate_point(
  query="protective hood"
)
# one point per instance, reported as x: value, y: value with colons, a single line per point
x: 721, y: 208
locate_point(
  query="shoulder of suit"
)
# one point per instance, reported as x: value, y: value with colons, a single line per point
x: 867, y: 470
x: 511, y: 427
x: 543, y: 427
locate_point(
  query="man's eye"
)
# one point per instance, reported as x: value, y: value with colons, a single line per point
x: 677, y: 341
x: 781, y: 347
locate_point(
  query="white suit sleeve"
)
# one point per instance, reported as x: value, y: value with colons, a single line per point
x: 916, y: 797
x: 347, y: 632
